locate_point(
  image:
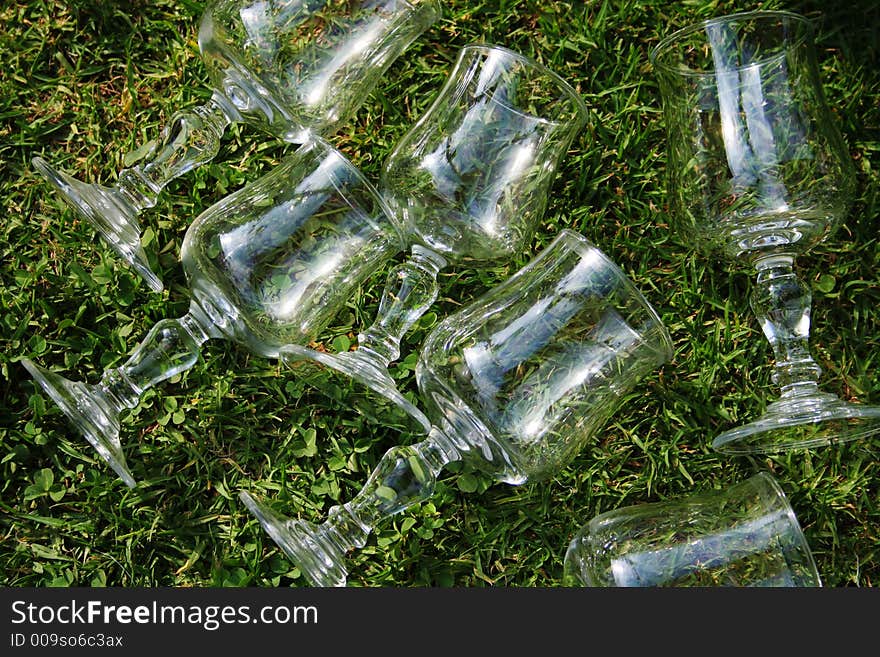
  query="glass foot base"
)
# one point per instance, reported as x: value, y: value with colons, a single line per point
x: 317, y: 559
x: 109, y: 213
x: 799, y: 423
x: 87, y: 413
x: 374, y: 394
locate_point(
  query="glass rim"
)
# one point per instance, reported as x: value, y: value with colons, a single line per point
x: 583, y: 110
x: 666, y: 42
x: 632, y: 288
x: 794, y: 523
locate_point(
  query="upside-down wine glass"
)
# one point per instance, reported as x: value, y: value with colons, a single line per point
x: 759, y: 173
x: 469, y: 182
x: 285, y: 67
x: 269, y: 265
x: 743, y: 535
x: 516, y: 383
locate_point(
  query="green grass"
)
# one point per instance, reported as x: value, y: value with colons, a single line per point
x: 84, y: 86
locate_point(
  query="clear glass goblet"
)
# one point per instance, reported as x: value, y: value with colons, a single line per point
x: 758, y: 173
x: 285, y: 67
x: 469, y: 181
x: 745, y: 535
x: 516, y: 383
x: 269, y: 265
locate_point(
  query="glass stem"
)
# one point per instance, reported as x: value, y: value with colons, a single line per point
x: 171, y: 347
x: 191, y: 139
x: 782, y: 302
x: 411, y: 289
x: 406, y: 475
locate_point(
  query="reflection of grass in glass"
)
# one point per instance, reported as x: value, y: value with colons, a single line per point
x: 319, y: 60
x: 754, y: 168
x: 298, y: 38
x: 743, y: 536
x: 470, y: 179
x: 308, y: 64
x: 548, y: 391
x: 480, y: 181
x: 236, y: 421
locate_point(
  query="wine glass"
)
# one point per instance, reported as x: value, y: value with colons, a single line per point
x: 268, y: 265
x: 285, y: 67
x: 516, y: 383
x: 469, y: 181
x: 744, y: 535
x: 759, y: 174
